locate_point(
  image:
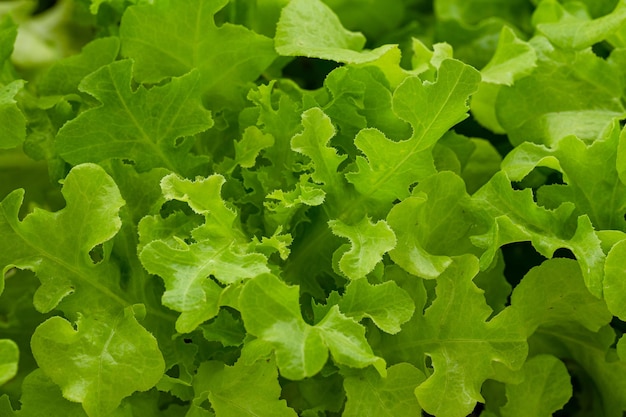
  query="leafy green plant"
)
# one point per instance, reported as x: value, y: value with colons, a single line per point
x: 312, y: 208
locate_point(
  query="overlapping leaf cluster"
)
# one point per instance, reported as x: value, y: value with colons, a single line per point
x: 305, y: 208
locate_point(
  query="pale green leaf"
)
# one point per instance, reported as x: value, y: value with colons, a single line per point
x: 313, y: 142
x: 219, y: 252
x: 461, y: 343
x: 370, y: 395
x: 515, y: 217
x: 545, y: 389
x: 270, y: 311
x: 388, y: 305
x: 247, y: 149
x: 345, y: 339
x: 583, y: 100
x: 310, y: 28
x: 615, y: 280
x: 60, y: 257
x: 512, y: 60
x: 242, y: 390
x: 368, y: 243
x: 438, y: 207
x: 11, y: 118
x: 570, y: 31
x: 227, y: 57
x: 390, y: 168
x: 9, y: 355
x: 590, y: 172
x: 142, y: 125
x: 98, y: 363
x: 555, y: 292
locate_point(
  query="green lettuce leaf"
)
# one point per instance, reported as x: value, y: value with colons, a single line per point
x: 515, y: 217
x: 463, y: 347
x: 152, y: 127
x: 586, y: 104
x: 310, y: 28
x: 65, y: 75
x: 227, y: 57
x: 369, y: 395
x: 241, y: 390
x: 386, y: 304
x: 569, y: 31
x: 9, y: 355
x: 590, y: 173
x: 11, y: 117
x: 614, y: 283
x: 62, y: 260
x: 439, y: 206
x: 270, y: 311
x: 546, y: 388
x: 98, y: 363
x: 368, y: 243
x: 194, y: 274
x: 391, y: 167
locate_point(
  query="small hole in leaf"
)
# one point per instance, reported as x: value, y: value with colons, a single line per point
x: 44, y: 5
x: 97, y: 254
x: 618, y: 325
x: 126, y: 161
x: 563, y: 253
x: 174, y: 372
x: 519, y: 258
x: 602, y: 49
x: 309, y: 73
x: 179, y: 141
x: 187, y: 340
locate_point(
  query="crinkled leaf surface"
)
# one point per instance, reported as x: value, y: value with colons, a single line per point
x: 590, y: 172
x: 615, y: 280
x: 370, y: 395
x: 142, y: 125
x: 570, y: 31
x: 462, y: 345
x: 313, y: 142
x: 368, y: 243
x: 546, y: 388
x: 311, y: 28
x: 227, y: 57
x: 61, y: 258
x: 431, y: 108
x: 271, y: 311
x: 98, y: 363
x: 515, y: 217
x: 554, y: 292
x: 65, y: 76
x: 438, y: 207
x: 243, y: 390
x: 219, y: 254
x: 388, y: 305
x: 584, y: 101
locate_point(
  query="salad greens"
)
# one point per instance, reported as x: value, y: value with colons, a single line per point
x: 281, y: 208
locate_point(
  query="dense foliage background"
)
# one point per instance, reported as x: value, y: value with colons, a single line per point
x: 312, y: 208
